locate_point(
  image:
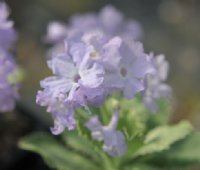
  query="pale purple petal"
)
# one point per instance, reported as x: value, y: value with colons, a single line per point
x: 87, y: 21
x: 56, y: 32
x: 78, y: 51
x: 132, y: 30
x: 58, y: 128
x: 95, y: 126
x: 111, y: 53
x: 63, y: 67
x: 140, y: 67
x: 114, y: 143
x: 92, y: 77
x: 63, y: 118
x: 113, y: 140
x: 132, y: 87
x: 150, y: 103
x: 110, y: 18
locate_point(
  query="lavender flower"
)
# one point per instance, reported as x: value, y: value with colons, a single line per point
x: 114, y: 141
x: 90, y: 68
x: 112, y: 22
x: 133, y: 67
x: 109, y: 21
x: 125, y: 63
x: 9, y: 73
x: 155, y: 88
x: 73, y: 85
x: 102, y: 46
x: 8, y: 82
x: 7, y: 33
x: 90, y: 64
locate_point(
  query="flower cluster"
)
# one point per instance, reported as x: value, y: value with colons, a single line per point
x: 8, y: 83
x: 109, y: 21
x: 91, y: 63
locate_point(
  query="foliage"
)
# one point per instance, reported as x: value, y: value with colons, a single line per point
x: 152, y: 144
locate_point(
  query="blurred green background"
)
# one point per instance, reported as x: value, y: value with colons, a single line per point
x: 170, y: 27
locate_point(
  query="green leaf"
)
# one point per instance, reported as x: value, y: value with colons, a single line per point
x: 54, y: 153
x: 161, y: 138
x: 185, y: 152
x: 141, y: 167
x: 162, y: 116
x: 92, y: 149
x: 133, y: 118
x: 81, y: 144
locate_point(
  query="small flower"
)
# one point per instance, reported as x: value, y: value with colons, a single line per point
x: 133, y: 67
x: 7, y: 33
x: 8, y: 87
x: 73, y: 77
x: 68, y: 79
x: 113, y: 23
x: 155, y: 88
x: 10, y: 75
x: 114, y: 141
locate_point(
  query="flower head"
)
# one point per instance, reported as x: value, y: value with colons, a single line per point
x: 74, y: 84
x: 92, y: 66
x: 109, y: 21
x: 92, y: 57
